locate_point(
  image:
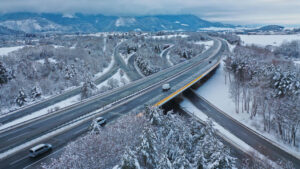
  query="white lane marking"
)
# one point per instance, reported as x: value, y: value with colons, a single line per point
x: 17, y: 136
x: 14, y: 162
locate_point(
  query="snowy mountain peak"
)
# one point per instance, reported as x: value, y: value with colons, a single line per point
x: 123, y: 21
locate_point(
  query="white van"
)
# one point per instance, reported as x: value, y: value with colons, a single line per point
x: 166, y: 87
x: 39, y: 149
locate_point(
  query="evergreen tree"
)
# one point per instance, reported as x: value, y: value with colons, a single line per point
x: 35, y: 92
x: 21, y: 99
x: 87, y: 89
x: 129, y: 160
x: 148, y: 150
x: 4, y: 77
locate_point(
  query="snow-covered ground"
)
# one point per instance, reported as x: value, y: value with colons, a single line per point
x: 217, y: 29
x: 7, y: 50
x: 105, y: 70
x: 297, y: 62
x: 207, y: 44
x: 42, y: 61
x: 217, y: 92
x: 225, y: 134
x: 126, y: 57
x: 57, y: 46
x: 170, y: 36
x: 264, y: 40
x: 116, y: 76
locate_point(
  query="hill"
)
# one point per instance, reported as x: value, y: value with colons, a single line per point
x: 49, y: 22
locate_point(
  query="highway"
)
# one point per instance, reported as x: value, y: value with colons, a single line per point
x: 255, y: 141
x: 140, y: 92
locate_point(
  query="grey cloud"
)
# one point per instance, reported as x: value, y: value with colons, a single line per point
x: 232, y: 11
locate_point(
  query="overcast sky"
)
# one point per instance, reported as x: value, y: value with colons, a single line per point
x: 228, y: 11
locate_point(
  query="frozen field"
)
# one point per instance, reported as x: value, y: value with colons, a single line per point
x: 7, y: 50
x: 264, y: 40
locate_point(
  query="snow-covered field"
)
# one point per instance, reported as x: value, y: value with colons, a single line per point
x: 42, y: 61
x: 264, y: 40
x: 216, y: 91
x: 170, y: 36
x: 7, y: 50
x: 217, y: 29
x: 105, y: 70
x: 207, y: 44
x: 297, y: 62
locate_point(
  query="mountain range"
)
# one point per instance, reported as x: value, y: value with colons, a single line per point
x: 84, y: 23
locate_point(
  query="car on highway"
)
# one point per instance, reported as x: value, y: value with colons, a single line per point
x: 39, y: 149
x: 166, y: 87
x: 100, y: 121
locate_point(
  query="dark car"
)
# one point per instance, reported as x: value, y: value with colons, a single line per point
x: 100, y: 121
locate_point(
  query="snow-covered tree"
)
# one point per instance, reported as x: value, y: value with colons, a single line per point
x: 87, y: 89
x: 4, y: 76
x: 35, y: 92
x: 175, y: 143
x: 21, y: 98
x: 129, y: 160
